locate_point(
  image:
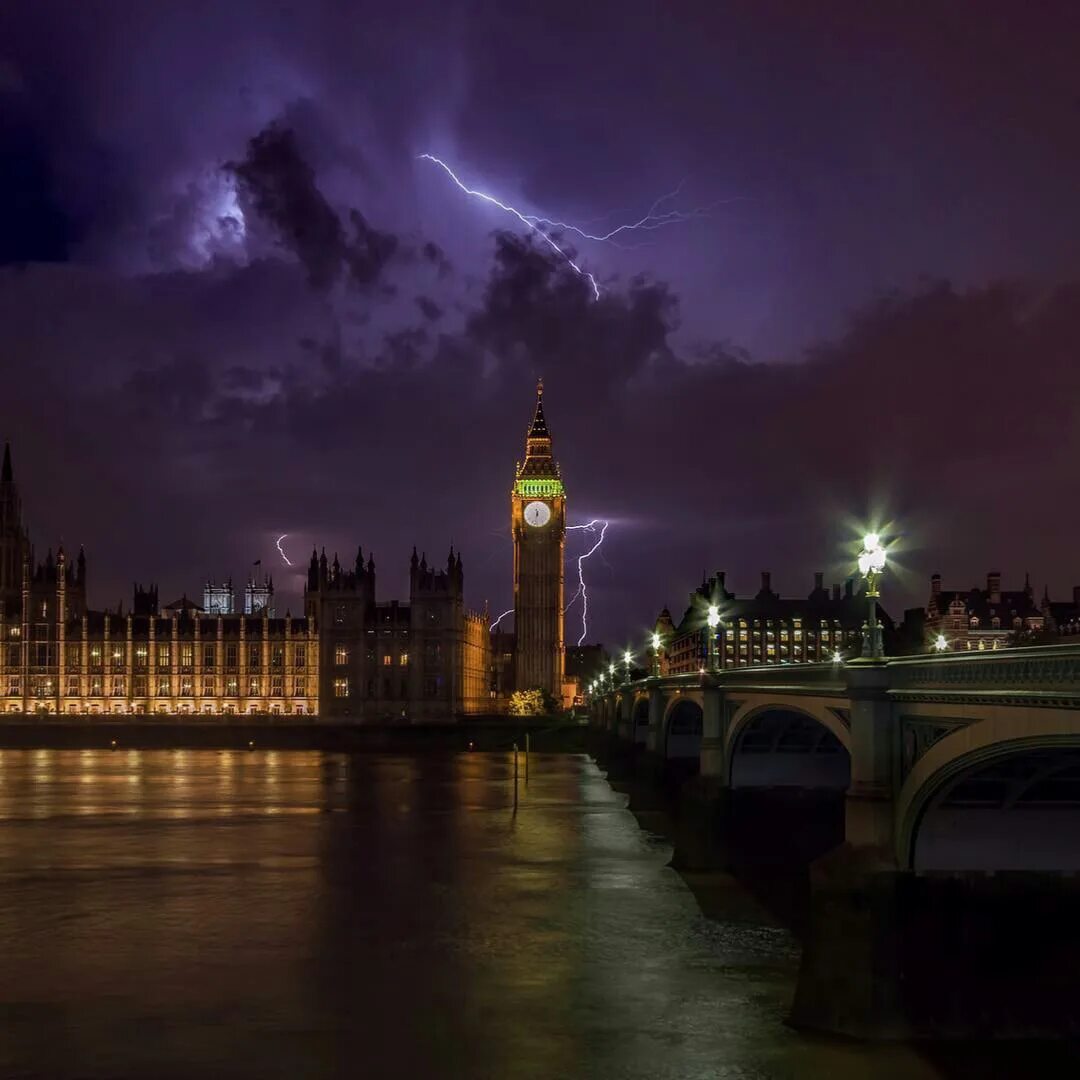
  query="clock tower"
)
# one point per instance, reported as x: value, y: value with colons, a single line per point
x: 538, y: 525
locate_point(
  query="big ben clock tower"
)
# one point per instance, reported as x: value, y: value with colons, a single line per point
x: 538, y: 521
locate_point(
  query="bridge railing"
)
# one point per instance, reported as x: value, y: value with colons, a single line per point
x: 1040, y: 667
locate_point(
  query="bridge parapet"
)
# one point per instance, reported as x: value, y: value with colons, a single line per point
x: 1050, y: 673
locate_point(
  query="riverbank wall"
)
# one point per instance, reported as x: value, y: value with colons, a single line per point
x: 546, y: 735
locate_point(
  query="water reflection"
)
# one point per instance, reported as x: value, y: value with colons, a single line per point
x: 280, y: 914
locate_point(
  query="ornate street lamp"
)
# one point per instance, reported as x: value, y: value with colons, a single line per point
x: 871, y: 566
x: 627, y: 659
x: 656, y: 643
x: 941, y: 643
x: 713, y: 621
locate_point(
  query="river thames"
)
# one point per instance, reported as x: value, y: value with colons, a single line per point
x: 291, y: 914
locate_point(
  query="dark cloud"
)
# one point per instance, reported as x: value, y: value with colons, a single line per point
x: 283, y: 191
x: 537, y: 314
x: 437, y: 258
x: 430, y: 310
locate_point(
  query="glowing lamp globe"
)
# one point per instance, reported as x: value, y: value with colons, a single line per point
x: 872, y: 556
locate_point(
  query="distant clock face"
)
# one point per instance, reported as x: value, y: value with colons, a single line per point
x: 537, y: 514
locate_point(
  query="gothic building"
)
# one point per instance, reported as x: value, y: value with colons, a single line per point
x: 764, y: 628
x: 350, y: 656
x: 427, y: 659
x: 994, y: 618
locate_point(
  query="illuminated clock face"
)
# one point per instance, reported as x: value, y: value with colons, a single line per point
x: 537, y: 514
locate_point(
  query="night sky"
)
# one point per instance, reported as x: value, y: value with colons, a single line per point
x: 236, y: 303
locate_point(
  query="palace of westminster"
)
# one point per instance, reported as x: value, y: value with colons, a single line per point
x: 351, y: 656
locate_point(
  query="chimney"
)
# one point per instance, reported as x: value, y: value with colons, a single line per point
x: 720, y: 575
x: 836, y: 592
x: 765, y: 579
x: 993, y: 586
x: 819, y: 579
x: 935, y: 584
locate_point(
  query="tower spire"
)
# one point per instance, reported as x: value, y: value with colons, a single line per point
x: 539, y: 429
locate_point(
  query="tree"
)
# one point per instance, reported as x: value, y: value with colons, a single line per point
x: 533, y: 702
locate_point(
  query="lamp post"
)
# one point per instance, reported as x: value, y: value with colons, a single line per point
x: 627, y: 659
x: 941, y: 643
x: 871, y: 566
x: 713, y: 621
x: 656, y: 643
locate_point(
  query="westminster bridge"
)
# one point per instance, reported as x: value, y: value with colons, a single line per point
x: 959, y: 776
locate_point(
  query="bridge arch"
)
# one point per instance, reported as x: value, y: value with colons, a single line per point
x: 684, y: 720
x: 1002, y: 793
x: 787, y: 742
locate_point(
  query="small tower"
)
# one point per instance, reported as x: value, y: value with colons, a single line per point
x: 259, y: 597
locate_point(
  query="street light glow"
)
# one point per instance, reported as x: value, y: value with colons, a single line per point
x: 872, y: 556
x: 656, y: 642
x: 713, y: 618
x: 941, y: 643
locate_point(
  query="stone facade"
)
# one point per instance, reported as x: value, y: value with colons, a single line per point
x: 350, y: 657
x: 765, y: 628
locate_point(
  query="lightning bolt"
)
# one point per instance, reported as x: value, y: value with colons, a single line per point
x: 652, y: 221
x: 523, y: 218
x: 281, y: 550
x: 591, y: 526
x: 509, y: 611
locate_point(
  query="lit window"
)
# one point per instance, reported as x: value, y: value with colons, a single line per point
x: 14, y: 631
x: 95, y: 654
x: 275, y: 687
x: 118, y: 687
x: 341, y: 655
x: 232, y: 687
x: 95, y: 687
x: 254, y: 654
x: 163, y: 655
x: 299, y: 687
x: 403, y: 659
x: 208, y: 687
x: 208, y: 656
x: 387, y: 660
x: 162, y: 688
x: 300, y: 656
x: 341, y: 688
x: 253, y: 687
x: 187, y: 686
